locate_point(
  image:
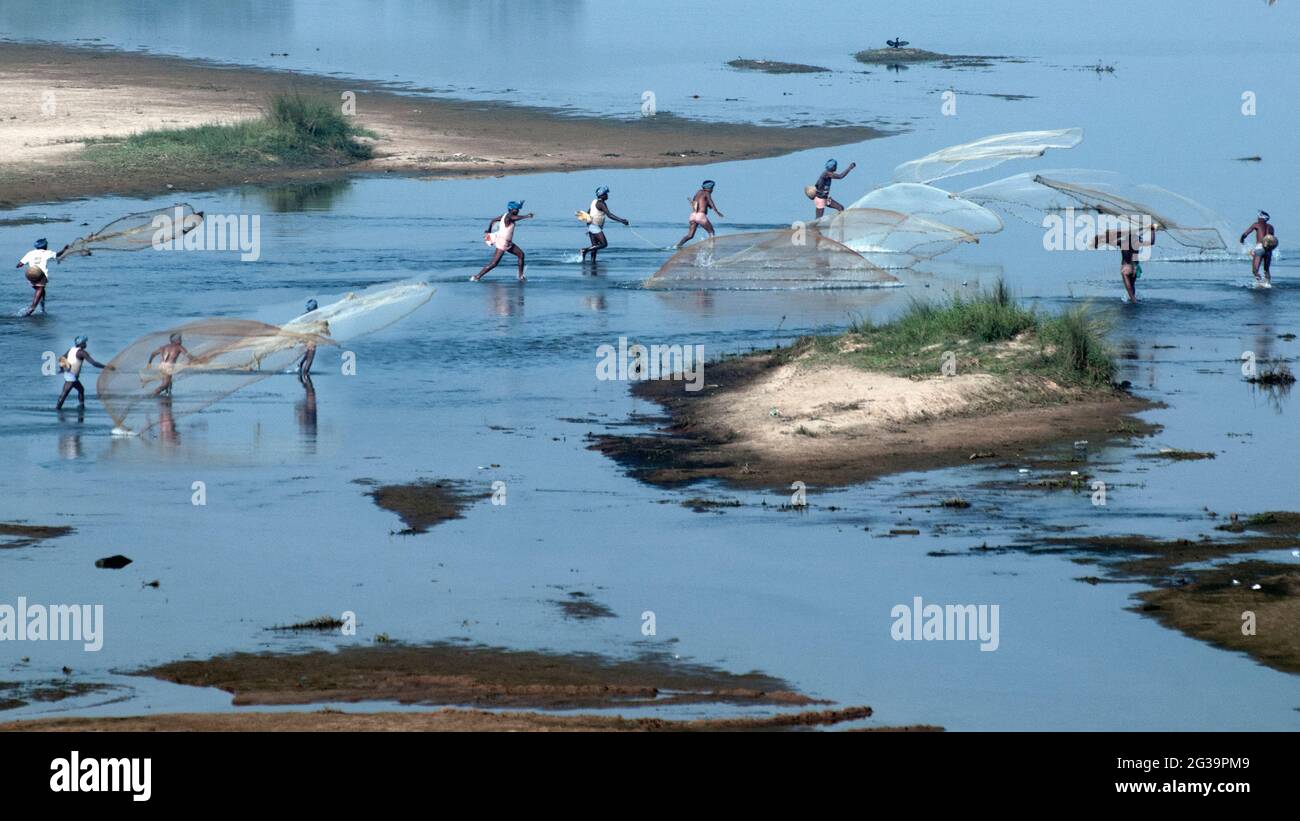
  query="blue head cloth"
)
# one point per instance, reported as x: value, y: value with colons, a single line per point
x: 81, y: 341
x: 602, y: 191
x: 707, y: 185
x: 514, y: 206
x: 41, y: 244
x: 831, y: 165
x: 311, y: 305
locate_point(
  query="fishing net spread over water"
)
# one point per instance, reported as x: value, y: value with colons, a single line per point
x: 985, y: 153
x: 1129, y: 206
x: 889, y: 239
x: 220, y: 357
x: 778, y: 258
x: 357, y: 314
x: 135, y: 232
x: 933, y: 204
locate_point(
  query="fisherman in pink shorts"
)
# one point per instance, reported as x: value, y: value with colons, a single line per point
x: 822, y: 190
x: 700, y: 205
x: 504, y: 239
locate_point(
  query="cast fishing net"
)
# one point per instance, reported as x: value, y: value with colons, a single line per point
x: 135, y: 232
x: 366, y: 312
x: 221, y: 356
x: 890, y: 239
x: 777, y: 258
x: 1128, y: 206
x: 985, y: 153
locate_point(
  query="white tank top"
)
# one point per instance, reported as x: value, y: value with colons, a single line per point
x: 74, y: 362
x: 506, y: 233
x: 597, y: 215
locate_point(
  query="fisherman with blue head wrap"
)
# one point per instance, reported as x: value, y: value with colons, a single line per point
x: 504, y: 239
x: 595, y: 219
x: 820, y: 193
x: 1265, y: 244
x: 70, y: 363
x: 37, y: 262
x: 700, y: 205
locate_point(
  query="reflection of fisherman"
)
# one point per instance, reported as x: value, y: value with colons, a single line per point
x: 309, y: 355
x: 504, y: 239
x: 700, y: 205
x: 170, y: 356
x: 71, y: 364
x: 599, y: 210
x: 1265, y: 242
x: 37, y: 262
x: 822, y: 190
x: 1130, y: 267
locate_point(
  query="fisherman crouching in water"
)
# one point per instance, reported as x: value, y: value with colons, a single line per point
x: 70, y: 364
x: 504, y: 239
x: 700, y: 205
x: 1265, y: 243
x: 821, y: 195
x: 596, y: 215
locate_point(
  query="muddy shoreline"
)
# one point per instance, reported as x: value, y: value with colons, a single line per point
x: 54, y: 97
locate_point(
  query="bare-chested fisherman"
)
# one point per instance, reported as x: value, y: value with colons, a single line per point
x: 308, y: 355
x: 1130, y: 247
x: 597, y: 213
x: 700, y: 205
x: 170, y: 355
x: 1265, y: 242
x: 822, y: 190
x: 71, y: 363
x: 504, y: 239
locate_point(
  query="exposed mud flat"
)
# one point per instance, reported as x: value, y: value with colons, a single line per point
x: 425, y: 503
x: 775, y: 67
x: 904, y: 56
x: 1203, y: 587
x: 16, y: 534
x: 764, y: 421
x: 450, y: 674
x: 14, y: 694
x: 446, y: 720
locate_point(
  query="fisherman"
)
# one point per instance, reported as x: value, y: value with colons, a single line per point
x: 596, y: 215
x: 1265, y: 242
x: 822, y: 190
x: 309, y: 355
x: 71, y: 365
x: 700, y: 205
x: 504, y: 239
x: 170, y: 355
x: 37, y: 262
x: 1130, y: 267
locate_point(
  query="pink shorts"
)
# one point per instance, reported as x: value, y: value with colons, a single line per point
x: 820, y: 202
x: 699, y: 218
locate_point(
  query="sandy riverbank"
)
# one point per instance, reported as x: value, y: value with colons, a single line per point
x: 772, y: 418
x: 53, y: 98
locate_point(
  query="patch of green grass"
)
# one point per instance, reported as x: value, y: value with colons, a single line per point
x: 989, y: 332
x: 295, y: 131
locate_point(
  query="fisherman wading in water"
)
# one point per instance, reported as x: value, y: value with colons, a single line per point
x: 1265, y: 243
x: 597, y: 213
x: 504, y: 239
x: 1130, y: 267
x: 71, y: 365
x: 170, y: 354
x: 37, y: 261
x: 821, y: 192
x: 309, y: 355
x: 700, y: 205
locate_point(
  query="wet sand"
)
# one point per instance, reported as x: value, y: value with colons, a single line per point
x: 452, y: 674
x: 424, y: 504
x: 444, y: 721
x: 764, y: 421
x: 53, y: 98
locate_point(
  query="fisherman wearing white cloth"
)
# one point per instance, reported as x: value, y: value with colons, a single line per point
x: 37, y: 263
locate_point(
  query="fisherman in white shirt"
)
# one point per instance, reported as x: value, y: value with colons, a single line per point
x: 37, y: 262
